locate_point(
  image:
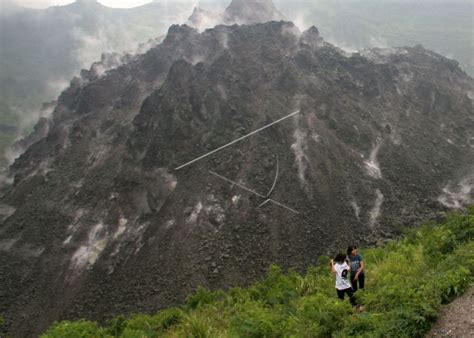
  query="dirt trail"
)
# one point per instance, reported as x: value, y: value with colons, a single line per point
x: 456, y: 319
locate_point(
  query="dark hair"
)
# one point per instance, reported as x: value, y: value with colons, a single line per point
x: 350, y: 248
x: 340, y: 258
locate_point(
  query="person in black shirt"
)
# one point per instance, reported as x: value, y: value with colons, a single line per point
x: 356, y: 262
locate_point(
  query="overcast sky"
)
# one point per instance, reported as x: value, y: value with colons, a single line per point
x: 110, y: 3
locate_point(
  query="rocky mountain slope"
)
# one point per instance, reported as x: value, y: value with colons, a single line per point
x: 42, y: 49
x: 98, y: 221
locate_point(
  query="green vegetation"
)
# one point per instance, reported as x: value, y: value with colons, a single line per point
x: 407, y: 281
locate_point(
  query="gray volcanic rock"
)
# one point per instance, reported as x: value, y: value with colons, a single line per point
x: 98, y: 222
x: 251, y: 12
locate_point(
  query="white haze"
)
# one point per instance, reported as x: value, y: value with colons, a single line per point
x: 48, y: 3
x: 108, y: 38
x: 40, y: 4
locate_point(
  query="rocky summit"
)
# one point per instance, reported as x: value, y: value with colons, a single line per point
x: 98, y: 220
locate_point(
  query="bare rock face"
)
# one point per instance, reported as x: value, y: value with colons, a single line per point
x: 251, y: 12
x: 99, y: 222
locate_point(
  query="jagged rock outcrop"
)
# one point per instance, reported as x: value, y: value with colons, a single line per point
x: 98, y: 221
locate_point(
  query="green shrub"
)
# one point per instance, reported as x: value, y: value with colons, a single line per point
x: 453, y: 283
x: 462, y: 256
x: 144, y: 323
x: 277, y: 288
x: 160, y: 322
x: 237, y: 295
x: 319, y: 316
x: 254, y: 320
x: 203, y: 297
x: 134, y: 333
x: 319, y: 279
x: 437, y: 241
x: 197, y: 325
x: 364, y: 324
x: 404, y: 322
x: 78, y: 329
x: 169, y: 317
x: 462, y: 225
x: 116, y: 326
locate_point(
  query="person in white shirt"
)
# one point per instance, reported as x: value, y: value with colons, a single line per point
x: 342, y: 271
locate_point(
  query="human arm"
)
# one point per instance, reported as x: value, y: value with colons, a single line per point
x: 333, y: 270
x: 359, y: 270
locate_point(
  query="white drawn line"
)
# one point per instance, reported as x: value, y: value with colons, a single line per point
x: 237, y: 184
x: 276, y: 178
x: 254, y: 192
x: 237, y: 140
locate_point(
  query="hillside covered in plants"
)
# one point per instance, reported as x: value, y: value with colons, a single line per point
x: 407, y: 282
